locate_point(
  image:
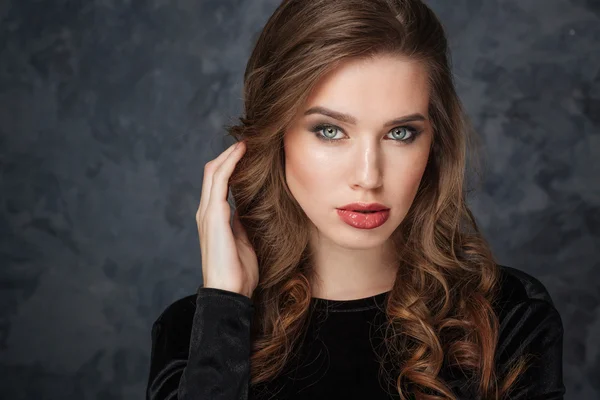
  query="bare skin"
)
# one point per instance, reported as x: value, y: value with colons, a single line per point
x: 228, y: 260
x: 369, y: 162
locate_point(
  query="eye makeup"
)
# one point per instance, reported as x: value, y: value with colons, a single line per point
x: 316, y: 129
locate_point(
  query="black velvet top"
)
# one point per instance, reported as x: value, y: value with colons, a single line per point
x: 201, y: 348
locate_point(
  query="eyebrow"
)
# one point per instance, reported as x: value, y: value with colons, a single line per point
x: 352, y: 120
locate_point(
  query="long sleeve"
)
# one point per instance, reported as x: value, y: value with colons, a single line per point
x: 534, y: 327
x: 201, y: 348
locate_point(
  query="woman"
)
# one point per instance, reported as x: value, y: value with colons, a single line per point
x: 312, y: 294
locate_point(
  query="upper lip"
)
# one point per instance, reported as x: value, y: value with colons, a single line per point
x: 364, y: 206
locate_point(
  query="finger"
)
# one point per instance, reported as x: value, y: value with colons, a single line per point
x: 209, y: 170
x: 220, y: 181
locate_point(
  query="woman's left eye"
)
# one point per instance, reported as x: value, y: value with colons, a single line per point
x: 399, y: 133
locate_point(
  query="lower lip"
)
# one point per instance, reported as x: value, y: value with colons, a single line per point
x: 362, y: 220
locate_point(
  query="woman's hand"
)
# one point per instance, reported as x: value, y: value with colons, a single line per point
x: 228, y: 259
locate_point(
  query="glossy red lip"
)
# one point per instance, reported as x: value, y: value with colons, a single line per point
x: 359, y: 206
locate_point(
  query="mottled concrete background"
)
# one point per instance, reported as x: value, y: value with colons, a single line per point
x: 110, y: 109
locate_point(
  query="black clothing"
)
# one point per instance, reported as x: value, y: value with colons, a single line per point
x: 201, y: 348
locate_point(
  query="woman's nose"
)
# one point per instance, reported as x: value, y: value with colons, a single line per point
x: 368, y: 168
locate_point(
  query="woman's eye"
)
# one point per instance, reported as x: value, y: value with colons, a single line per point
x: 403, y: 132
x: 328, y: 133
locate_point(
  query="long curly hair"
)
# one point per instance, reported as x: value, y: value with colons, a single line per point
x: 439, y: 312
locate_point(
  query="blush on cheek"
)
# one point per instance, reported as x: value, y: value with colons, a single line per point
x: 302, y: 163
x: 413, y: 186
x: 411, y: 179
x: 300, y: 172
x: 300, y: 179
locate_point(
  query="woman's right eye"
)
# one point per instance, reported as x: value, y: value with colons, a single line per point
x: 328, y: 129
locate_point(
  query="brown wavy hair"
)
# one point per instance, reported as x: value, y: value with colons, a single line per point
x: 439, y: 312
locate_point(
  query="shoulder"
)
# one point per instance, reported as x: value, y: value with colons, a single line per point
x: 530, y: 325
x: 522, y: 285
x: 519, y: 288
x: 525, y: 308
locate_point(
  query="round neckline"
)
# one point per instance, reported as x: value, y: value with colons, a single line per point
x: 364, y: 303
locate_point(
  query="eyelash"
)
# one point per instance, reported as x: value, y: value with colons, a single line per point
x: 317, y: 128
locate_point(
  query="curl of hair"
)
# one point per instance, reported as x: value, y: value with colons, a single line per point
x: 439, y: 312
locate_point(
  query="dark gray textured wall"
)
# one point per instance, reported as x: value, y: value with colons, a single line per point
x: 109, y: 110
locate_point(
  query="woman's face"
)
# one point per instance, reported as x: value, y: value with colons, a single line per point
x: 370, y: 158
